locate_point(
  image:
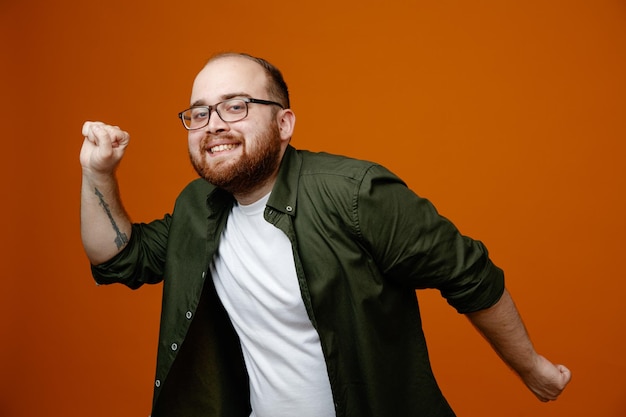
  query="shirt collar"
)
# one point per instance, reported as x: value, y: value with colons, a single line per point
x: 285, y: 192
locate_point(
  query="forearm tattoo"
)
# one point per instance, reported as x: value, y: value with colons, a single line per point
x: 120, y: 238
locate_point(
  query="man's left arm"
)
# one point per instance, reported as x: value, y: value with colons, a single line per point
x: 503, y: 328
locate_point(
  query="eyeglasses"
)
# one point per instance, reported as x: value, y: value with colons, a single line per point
x: 231, y: 110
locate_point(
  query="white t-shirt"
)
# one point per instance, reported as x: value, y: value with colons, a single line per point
x: 255, y: 278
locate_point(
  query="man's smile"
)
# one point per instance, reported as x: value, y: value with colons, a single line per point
x: 222, y: 147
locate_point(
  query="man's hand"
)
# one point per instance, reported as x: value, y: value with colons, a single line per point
x: 547, y: 380
x: 103, y: 147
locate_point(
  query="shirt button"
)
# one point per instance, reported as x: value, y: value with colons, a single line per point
x: 157, y: 383
x: 289, y: 208
x: 174, y: 346
x: 188, y: 315
x: 203, y: 275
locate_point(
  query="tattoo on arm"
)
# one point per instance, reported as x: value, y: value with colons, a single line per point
x: 120, y: 238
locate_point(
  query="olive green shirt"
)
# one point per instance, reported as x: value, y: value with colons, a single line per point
x: 362, y: 244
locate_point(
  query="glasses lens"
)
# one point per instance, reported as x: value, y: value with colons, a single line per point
x: 232, y: 110
x: 196, y: 117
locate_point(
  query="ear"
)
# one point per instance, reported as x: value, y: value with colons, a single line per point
x: 286, y: 123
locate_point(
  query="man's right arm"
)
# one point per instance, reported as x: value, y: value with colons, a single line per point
x: 105, y: 226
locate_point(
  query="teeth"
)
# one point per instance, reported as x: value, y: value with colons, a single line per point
x: 220, y: 148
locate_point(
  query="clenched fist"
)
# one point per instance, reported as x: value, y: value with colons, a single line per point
x: 103, y: 147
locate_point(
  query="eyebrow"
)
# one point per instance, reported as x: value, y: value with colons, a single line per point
x: 221, y: 98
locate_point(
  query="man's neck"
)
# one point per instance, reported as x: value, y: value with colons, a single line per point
x: 257, y: 193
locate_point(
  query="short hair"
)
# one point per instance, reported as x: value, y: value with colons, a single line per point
x: 277, y: 87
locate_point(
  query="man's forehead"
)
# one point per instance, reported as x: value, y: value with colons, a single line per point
x: 232, y: 66
x: 228, y: 75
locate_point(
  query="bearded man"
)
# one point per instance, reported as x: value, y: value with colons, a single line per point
x: 288, y: 276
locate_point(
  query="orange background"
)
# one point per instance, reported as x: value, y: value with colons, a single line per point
x: 508, y: 115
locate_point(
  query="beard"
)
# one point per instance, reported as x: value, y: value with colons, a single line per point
x: 252, y: 169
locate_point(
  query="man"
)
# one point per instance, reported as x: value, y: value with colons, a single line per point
x: 289, y: 276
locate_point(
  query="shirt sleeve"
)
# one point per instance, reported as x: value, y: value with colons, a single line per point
x: 142, y: 260
x: 415, y: 246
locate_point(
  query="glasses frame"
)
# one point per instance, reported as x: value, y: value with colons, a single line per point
x: 213, y: 108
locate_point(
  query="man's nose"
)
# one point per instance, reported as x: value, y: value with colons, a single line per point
x: 216, y: 124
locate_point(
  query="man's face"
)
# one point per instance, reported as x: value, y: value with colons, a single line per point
x: 237, y: 156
